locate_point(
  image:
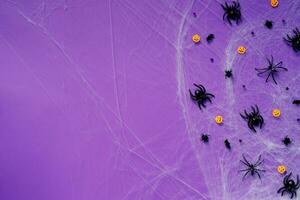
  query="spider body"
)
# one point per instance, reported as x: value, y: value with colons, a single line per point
x: 294, y: 40
x: 290, y: 186
x: 228, y: 73
x: 232, y: 12
x: 210, y: 38
x: 201, y: 96
x: 252, y: 168
x: 227, y: 144
x: 269, y: 24
x: 296, y: 102
x: 286, y: 141
x: 212, y: 60
x: 272, y: 69
x: 205, y: 138
x: 253, y: 118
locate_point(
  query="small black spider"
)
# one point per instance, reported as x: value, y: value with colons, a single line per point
x: 294, y: 41
x: 252, y: 33
x: 227, y: 144
x: 240, y: 140
x: 298, y: 120
x: 232, y: 12
x: 254, y: 118
x: 201, y: 96
x: 210, y: 38
x: 194, y: 14
x: 205, y: 138
x: 272, y: 69
x: 269, y: 24
x: 290, y: 186
x: 296, y: 102
x: 228, y: 73
x: 252, y: 168
x: 287, y: 88
x: 286, y: 141
x: 212, y: 60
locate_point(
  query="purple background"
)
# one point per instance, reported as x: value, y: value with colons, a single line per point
x: 95, y: 104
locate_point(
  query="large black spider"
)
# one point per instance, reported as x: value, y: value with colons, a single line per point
x: 254, y: 118
x: 294, y: 40
x: 252, y: 168
x: 272, y: 69
x: 290, y: 186
x: 201, y: 96
x: 232, y: 12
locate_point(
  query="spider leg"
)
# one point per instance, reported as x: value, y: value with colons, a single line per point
x: 282, y: 188
x: 258, y: 160
x: 209, y: 94
x: 292, y: 195
x: 262, y: 121
x: 250, y: 125
x: 192, y: 96
x: 246, y: 115
x: 202, y: 103
x: 229, y: 21
x: 295, y: 194
x: 253, y: 109
x: 246, y: 174
x: 199, y: 105
x: 297, y: 183
x: 244, y: 164
x: 208, y: 99
x: 224, y: 15
x: 268, y: 77
x: 283, y: 68
x: 278, y: 64
x: 273, y: 78
x: 259, y: 69
x: 257, y: 174
x: 246, y: 160
x: 243, y: 170
x: 283, y: 192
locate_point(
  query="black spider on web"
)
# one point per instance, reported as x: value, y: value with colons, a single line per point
x: 271, y: 69
x: 290, y: 186
x: 252, y: 168
x: 232, y: 12
x: 294, y: 40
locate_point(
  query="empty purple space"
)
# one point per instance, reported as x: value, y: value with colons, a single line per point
x: 95, y: 103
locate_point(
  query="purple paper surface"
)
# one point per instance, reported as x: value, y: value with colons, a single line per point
x: 95, y: 100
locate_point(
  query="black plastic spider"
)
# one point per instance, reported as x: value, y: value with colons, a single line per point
x: 269, y: 24
x: 294, y: 41
x: 201, y: 96
x: 272, y: 69
x: 252, y: 168
x: 210, y: 38
x: 205, y: 138
x: 254, y: 118
x: 290, y: 186
x: 232, y: 12
x: 286, y: 141
x: 227, y: 144
x: 228, y: 73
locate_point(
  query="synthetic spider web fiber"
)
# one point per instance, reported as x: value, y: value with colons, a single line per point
x: 95, y: 102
